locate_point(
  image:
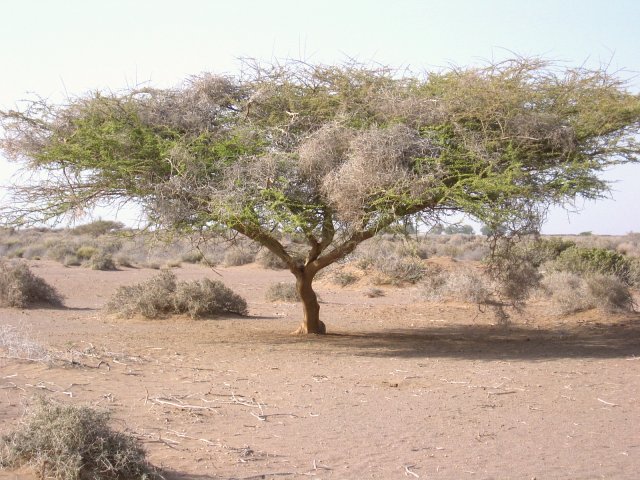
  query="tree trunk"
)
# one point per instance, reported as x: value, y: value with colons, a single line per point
x: 311, y: 322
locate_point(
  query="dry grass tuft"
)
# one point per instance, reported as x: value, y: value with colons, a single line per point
x: 20, y: 288
x: 73, y: 443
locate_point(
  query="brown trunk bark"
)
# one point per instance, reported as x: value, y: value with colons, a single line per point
x: 311, y: 322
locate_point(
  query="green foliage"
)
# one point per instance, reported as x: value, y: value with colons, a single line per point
x: 595, y: 260
x: 73, y: 443
x: 332, y: 154
x: 458, y: 229
x: 97, y: 228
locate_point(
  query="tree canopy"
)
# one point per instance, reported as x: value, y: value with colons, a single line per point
x: 334, y: 154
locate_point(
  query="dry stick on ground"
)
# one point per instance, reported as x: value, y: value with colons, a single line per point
x: 408, y: 472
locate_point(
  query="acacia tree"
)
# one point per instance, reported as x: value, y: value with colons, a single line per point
x: 334, y: 154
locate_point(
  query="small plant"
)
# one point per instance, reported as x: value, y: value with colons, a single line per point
x: 20, y: 288
x: 102, y: 261
x: 595, y: 260
x: 207, y: 297
x: 86, y: 252
x: 163, y: 295
x: 150, y: 299
x: 343, y: 278
x: 570, y: 293
x: 374, y: 292
x: 400, y: 270
x: 192, y: 257
x: 282, y: 292
x: 73, y: 443
x: 267, y: 259
x: 124, y: 261
x: 235, y: 257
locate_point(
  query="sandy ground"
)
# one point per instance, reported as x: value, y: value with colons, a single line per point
x: 400, y: 388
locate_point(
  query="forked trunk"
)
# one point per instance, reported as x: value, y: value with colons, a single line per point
x: 311, y: 322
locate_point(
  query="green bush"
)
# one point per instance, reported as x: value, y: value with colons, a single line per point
x: 581, y: 260
x: 163, y: 295
x: 97, y: 228
x: 73, y: 443
x: 85, y: 252
x: 20, y: 288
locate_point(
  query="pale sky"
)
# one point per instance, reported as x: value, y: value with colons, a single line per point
x: 59, y: 47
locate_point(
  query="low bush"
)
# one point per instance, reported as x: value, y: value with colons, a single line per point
x: 207, y: 297
x: 466, y: 285
x: 235, y: 257
x: 582, y: 260
x: 282, y: 292
x: 73, y: 443
x: 98, y: 227
x: 399, y: 270
x: 267, y: 259
x: 163, y: 295
x: 192, y: 257
x: 150, y: 299
x: 570, y: 293
x: 85, y: 252
x: 20, y: 288
x: 102, y: 261
x: 344, y: 278
x: 373, y: 292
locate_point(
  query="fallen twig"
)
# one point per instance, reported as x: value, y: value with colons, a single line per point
x: 608, y: 403
x: 408, y: 472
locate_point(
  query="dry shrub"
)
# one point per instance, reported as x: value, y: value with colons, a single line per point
x: 344, y: 278
x: 467, y: 286
x: 234, y: 257
x: 162, y: 295
x: 611, y: 293
x: 73, y: 443
x: 462, y: 285
x: 192, y: 257
x: 394, y: 262
x: 123, y: 260
x: 16, y: 343
x: 374, y: 292
x: 570, y: 293
x: 19, y: 287
x: 268, y: 259
x: 206, y: 297
x: 151, y: 299
x: 282, y: 292
x: 102, y: 261
x: 399, y: 270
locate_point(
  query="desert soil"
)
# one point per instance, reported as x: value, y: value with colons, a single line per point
x: 400, y: 388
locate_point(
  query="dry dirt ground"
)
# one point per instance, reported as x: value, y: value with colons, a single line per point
x: 400, y: 388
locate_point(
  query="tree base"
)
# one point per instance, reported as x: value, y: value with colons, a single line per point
x: 304, y: 329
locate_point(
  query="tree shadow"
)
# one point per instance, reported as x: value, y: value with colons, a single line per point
x: 489, y: 342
